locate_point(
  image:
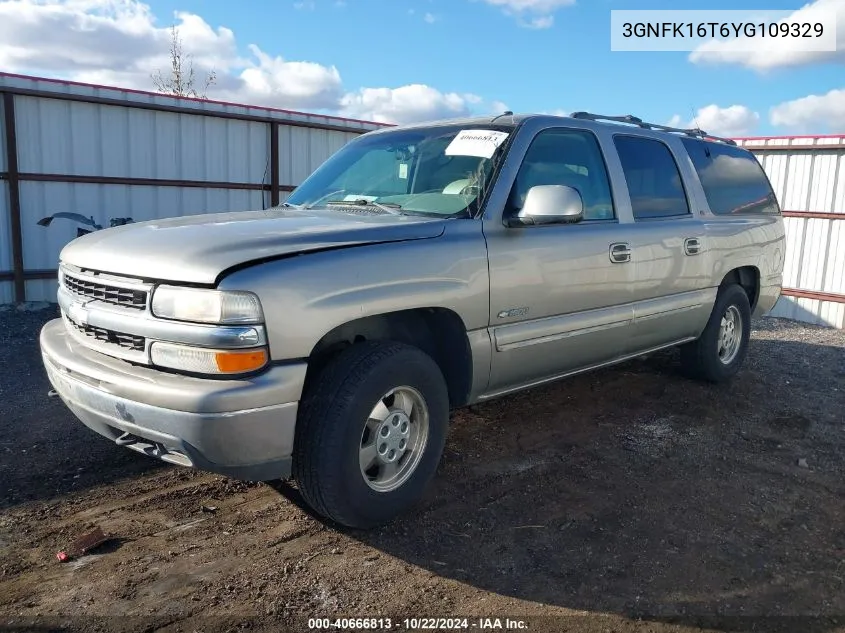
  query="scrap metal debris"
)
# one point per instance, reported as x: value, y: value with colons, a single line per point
x: 83, y: 545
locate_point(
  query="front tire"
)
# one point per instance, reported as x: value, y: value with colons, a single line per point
x: 718, y: 354
x: 370, y: 433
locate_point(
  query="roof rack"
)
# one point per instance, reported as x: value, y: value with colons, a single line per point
x: 633, y: 120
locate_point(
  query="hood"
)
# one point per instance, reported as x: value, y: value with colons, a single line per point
x: 198, y: 248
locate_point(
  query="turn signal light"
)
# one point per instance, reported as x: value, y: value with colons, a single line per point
x: 240, y: 362
x: 201, y: 360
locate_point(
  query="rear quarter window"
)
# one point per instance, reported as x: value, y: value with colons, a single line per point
x: 733, y: 180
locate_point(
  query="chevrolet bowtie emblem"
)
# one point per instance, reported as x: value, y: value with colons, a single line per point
x: 78, y: 312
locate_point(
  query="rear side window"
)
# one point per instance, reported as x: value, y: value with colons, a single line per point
x: 732, y: 179
x: 654, y: 181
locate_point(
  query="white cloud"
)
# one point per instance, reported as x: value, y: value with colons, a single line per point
x: 121, y: 42
x: 557, y: 112
x: 733, y: 121
x: 498, y: 107
x: 430, y: 18
x: 415, y: 102
x: 118, y: 42
x: 537, y: 6
x: 76, y: 36
x: 300, y: 84
x: 534, y: 14
x: 541, y: 22
x: 772, y: 53
x: 813, y: 114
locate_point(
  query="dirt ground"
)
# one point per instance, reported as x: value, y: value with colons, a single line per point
x: 626, y: 500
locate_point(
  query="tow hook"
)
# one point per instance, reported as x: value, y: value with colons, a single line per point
x: 52, y: 393
x: 127, y: 439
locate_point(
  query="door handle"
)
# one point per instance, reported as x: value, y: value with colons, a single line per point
x: 620, y: 252
x: 692, y: 246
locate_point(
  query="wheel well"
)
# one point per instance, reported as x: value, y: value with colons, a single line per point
x: 749, y: 278
x: 438, y: 332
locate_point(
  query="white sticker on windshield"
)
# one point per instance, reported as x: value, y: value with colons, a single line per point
x: 481, y: 143
x: 403, y: 171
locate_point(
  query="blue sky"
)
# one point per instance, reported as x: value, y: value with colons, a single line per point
x: 459, y: 55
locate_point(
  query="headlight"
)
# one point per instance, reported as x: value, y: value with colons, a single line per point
x: 206, y: 306
x: 199, y: 360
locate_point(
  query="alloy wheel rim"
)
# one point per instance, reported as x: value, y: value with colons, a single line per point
x: 393, y: 439
x: 730, y: 335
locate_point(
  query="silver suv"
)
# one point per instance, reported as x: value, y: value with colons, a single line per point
x: 419, y: 269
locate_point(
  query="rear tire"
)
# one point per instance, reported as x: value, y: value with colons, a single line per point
x: 717, y: 355
x: 370, y: 433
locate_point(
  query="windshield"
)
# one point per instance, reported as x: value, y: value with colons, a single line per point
x: 443, y: 171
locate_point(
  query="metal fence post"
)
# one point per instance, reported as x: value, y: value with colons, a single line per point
x: 13, y: 179
x: 274, y: 164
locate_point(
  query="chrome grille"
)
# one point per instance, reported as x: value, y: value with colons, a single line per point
x: 126, y: 341
x: 126, y: 297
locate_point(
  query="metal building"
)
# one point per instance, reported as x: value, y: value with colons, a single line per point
x: 808, y: 175
x: 108, y: 152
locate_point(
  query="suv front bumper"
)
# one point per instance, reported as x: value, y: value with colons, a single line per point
x: 242, y: 428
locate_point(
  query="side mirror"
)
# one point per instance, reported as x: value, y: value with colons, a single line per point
x: 549, y: 204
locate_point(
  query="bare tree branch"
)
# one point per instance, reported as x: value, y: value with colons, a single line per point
x: 181, y: 80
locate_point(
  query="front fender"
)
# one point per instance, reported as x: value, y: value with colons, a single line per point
x: 307, y: 296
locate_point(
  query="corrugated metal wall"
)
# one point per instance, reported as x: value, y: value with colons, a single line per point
x: 808, y: 175
x: 84, y: 139
x: 106, y: 152
x: 68, y: 137
x: 301, y: 151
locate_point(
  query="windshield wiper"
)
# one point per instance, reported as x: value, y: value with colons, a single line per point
x: 391, y: 208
